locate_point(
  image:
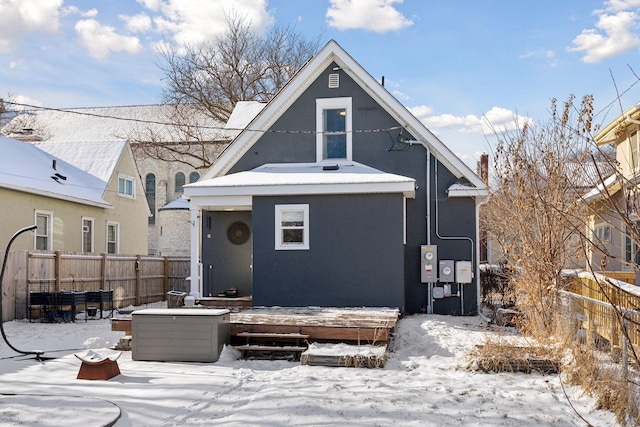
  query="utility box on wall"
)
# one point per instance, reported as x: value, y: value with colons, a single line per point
x: 463, y: 272
x: 446, y: 271
x: 428, y: 263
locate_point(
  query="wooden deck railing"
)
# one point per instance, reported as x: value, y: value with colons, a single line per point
x: 605, y: 306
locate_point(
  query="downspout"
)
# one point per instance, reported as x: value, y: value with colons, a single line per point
x: 195, y: 283
x: 477, y: 278
x: 428, y: 197
x: 460, y: 285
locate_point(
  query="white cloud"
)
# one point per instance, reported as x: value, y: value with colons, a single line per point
x: 101, y: 40
x: 198, y: 20
x: 151, y: 4
x: 26, y: 16
x: 495, y: 120
x: 23, y: 99
x: 618, y: 36
x: 620, y: 5
x: 374, y: 15
x: 138, y: 23
x: 549, y: 56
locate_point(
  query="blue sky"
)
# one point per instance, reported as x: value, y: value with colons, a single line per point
x: 454, y: 64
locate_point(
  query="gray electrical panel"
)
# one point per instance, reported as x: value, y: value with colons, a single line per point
x: 463, y: 272
x: 446, y: 271
x: 428, y: 263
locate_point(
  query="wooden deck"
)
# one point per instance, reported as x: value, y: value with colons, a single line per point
x: 355, y: 325
x: 290, y: 330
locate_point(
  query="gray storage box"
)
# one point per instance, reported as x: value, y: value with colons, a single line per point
x: 179, y: 334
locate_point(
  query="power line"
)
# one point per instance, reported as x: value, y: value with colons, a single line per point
x: 198, y: 126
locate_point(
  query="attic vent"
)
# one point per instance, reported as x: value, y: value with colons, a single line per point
x: 334, y: 81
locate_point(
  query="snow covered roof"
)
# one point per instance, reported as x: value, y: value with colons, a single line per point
x: 304, y: 178
x: 111, y: 123
x: 243, y: 113
x: 178, y: 204
x: 25, y: 167
x: 598, y: 191
x: 99, y: 158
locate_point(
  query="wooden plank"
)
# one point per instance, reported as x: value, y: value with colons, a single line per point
x: 333, y: 333
x: 271, y: 335
x: 267, y: 348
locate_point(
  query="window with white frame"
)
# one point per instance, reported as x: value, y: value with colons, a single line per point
x: 113, y: 237
x: 43, y: 239
x: 634, y: 150
x: 126, y: 186
x: 87, y: 235
x: 333, y: 129
x: 292, y: 227
x: 602, y: 233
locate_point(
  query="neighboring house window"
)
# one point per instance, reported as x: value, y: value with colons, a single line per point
x: 150, y: 192
x: 43, y: 237
x: 292, y: 227
x: 635, y: 149
x: 193, y: 177
x: 602, y: 233
x: 113, y: 237
x: 179, y: 182
x: 632, y: 254
x: 126, y: 186
x: 87, y: 235
x: 333, y: 129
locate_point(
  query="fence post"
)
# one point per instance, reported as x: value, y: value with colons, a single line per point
x: 138, y: 279
x: 103, y: 269
x: 615, y: 333
x: 166, y: 275
x: 625, y: 356
x: 57, y: 269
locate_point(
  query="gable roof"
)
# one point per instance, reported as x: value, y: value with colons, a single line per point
x: 99, y: 158
x: 111, y: 123
x: 330, y: 53
x: 24, y: 167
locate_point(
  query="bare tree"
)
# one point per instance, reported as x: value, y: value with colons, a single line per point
x: 206, y: 80
x: 534, y: 214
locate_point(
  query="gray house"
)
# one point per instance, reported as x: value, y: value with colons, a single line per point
x: 336, y: 195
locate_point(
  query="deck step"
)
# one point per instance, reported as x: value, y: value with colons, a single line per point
x: 267, y: 348
x: 273, y: 335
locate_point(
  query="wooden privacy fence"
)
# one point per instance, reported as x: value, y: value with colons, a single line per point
x: 134, y: 279
x: 604, y: 306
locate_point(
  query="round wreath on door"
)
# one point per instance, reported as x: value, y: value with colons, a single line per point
x: 238, y: 233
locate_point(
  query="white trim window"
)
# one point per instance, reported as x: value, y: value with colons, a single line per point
x: 292, y: 227
x: 333, y: 129
x: 126, y: 186
x: 43, y: 237
x: 602, y: 233
x: 634, y: 150
x: 113, y: 237
x: 87, y: 234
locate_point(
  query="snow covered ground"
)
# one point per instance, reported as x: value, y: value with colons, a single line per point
x: 424, y: 383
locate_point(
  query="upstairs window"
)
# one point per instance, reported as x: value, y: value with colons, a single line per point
x: 602, y: 233
x: 150, y: 192
x: 126, y: 186
x: 193, y: 177
x: 179, y: 182
x: 634, y: 150
x: 333, y: 129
